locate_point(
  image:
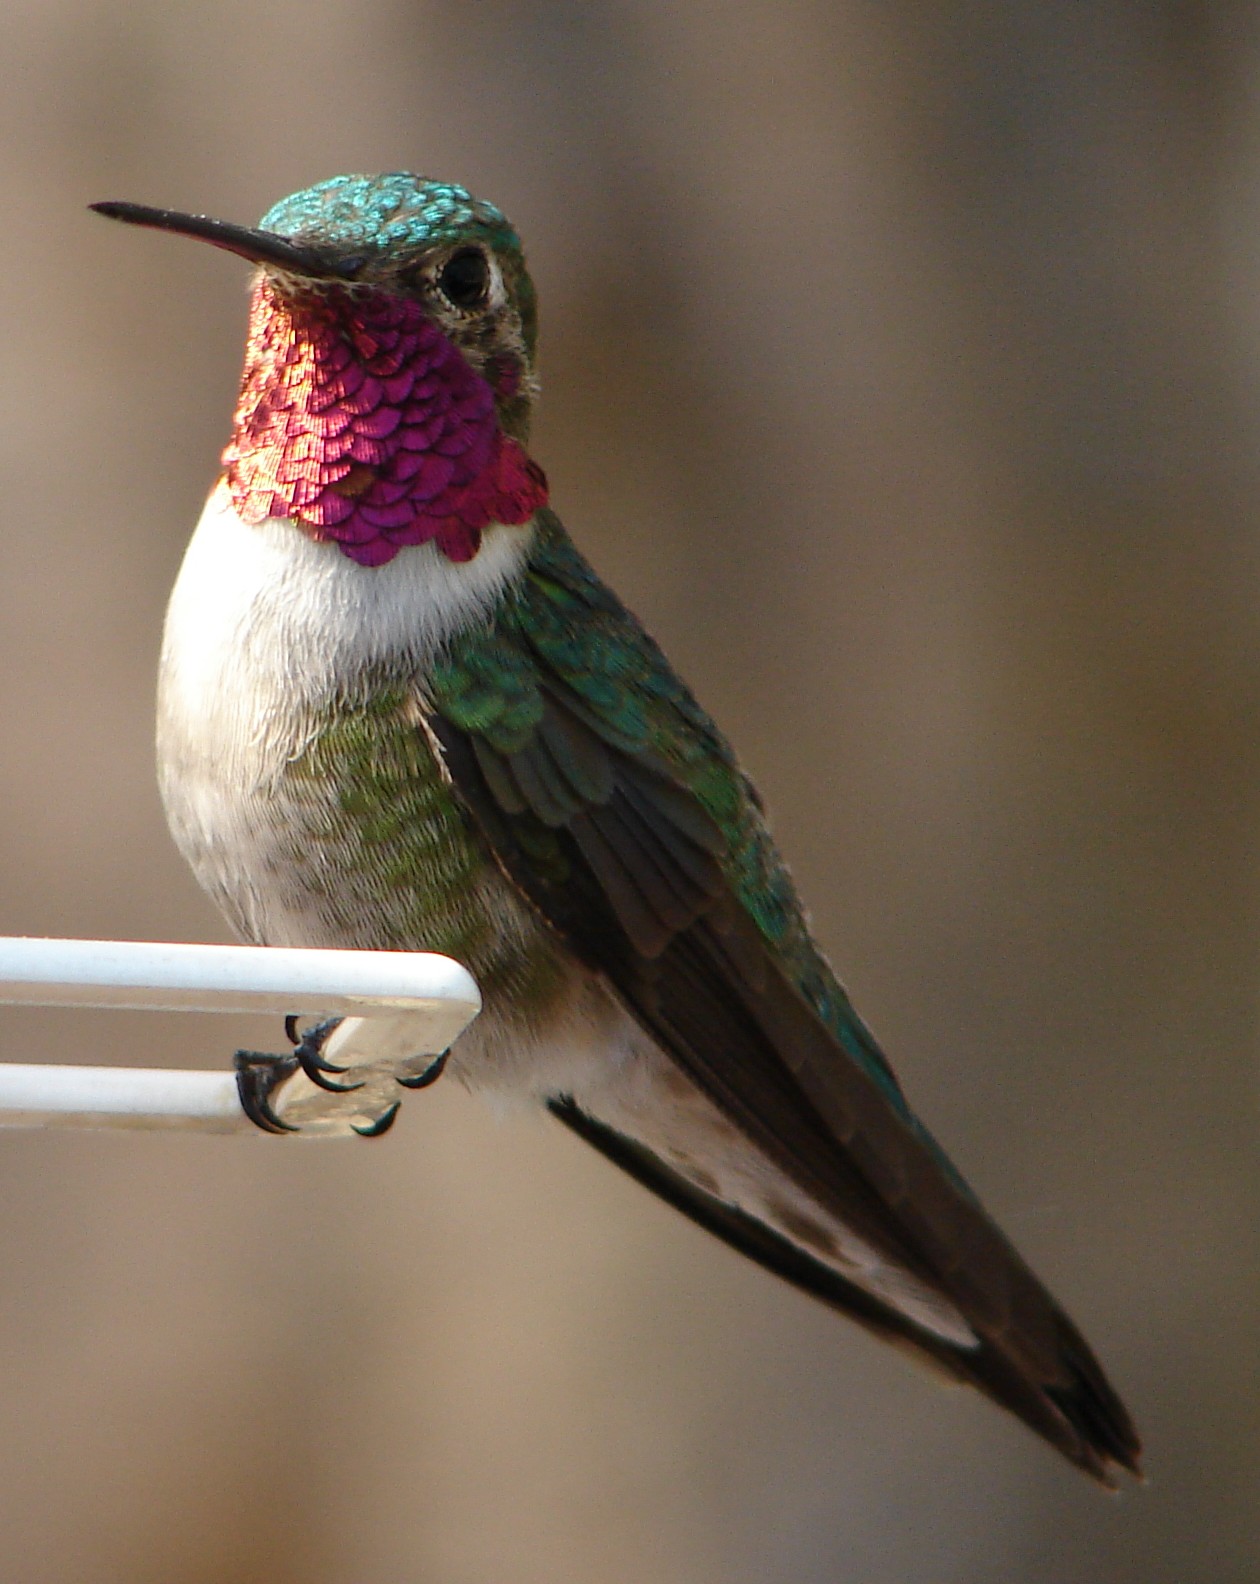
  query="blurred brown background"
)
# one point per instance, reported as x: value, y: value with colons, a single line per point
x: 902, y: 367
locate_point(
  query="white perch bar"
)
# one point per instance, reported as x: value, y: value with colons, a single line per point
x: 149, y: 976
x: 401, y: 1009
x: 38, y: 1095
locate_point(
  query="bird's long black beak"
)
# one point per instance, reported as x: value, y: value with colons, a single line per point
x: 261, y: 247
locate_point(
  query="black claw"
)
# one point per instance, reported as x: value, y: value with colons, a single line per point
x: 316, y: 1075
x: 309, y: 1052
x: 382, y: 1124
x: 257, y: 1075
x: 313, y: 1042
x: 291, y: 1029
x: 431, y: 1074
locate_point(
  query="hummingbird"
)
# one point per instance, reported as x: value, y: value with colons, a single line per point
x: 398, y: 710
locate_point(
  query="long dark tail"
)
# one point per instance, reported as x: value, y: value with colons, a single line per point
x: 1078, y: 1413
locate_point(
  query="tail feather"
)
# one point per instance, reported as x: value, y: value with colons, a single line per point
x: 1077, y: 1411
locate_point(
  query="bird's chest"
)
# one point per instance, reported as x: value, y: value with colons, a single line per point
x: 294, y: 765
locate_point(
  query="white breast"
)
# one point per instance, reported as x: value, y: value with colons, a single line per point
x: 265, y: 626
x: 268, y: 606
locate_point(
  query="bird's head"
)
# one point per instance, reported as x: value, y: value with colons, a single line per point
x: 389, y: 369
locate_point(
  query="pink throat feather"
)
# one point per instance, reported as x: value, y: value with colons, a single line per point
x: 362, y: 422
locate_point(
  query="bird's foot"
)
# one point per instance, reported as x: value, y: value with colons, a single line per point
x: 257, y: 1078
x: 431, y: 1074
x: 308, y: 1050
x: 259, y: 1075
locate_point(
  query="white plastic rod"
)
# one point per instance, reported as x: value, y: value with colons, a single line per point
x: 147, y: 976
x: 119, y: 1097
x: 399, y: 1010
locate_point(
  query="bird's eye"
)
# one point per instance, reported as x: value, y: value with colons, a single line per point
x: 464, y: 280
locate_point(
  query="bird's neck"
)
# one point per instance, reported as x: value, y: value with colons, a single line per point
x: 261, y: 609
x: 363, y: 424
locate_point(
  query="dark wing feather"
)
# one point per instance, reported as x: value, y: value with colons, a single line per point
x: 649, y: 855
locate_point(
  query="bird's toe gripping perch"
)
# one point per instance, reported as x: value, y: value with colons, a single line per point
x: 259, y: 1075
x: 309, y: 1050
x: 257, y: 1078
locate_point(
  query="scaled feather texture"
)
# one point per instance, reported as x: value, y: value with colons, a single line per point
x: 358, y: 419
